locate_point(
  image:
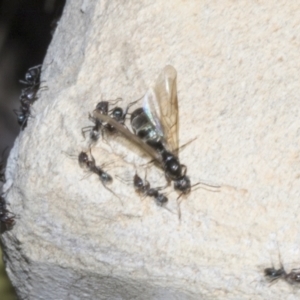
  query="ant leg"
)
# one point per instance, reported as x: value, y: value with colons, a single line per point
x: 186, y: 144
x: 35, y: 67
x: 93, y: 162
x: 24, y: 124
x: 86, y: 129
x: 147, y: 184
x: 178, y: 206
x: 43, y: 88
x: 148, y: 163
x: 123, y: 180
x: 112, y: 192
x: 86, y: 176
x: 104, y: 165
x: 91, y: 118
x: 128, y: 106
x: 114, y: 102
x: 132, y: 103
x: 184, y: 168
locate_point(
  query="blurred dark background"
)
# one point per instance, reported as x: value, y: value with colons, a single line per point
x: 26, y: 29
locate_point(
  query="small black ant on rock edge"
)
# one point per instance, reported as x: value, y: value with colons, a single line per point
x: 32, y: 76
x: 2, y: 166
x: 7, y: 219
x: 28, y: 94
x: 90, y: 165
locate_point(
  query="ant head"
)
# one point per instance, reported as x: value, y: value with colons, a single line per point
x: 33, y: 74
x: 138, y: 182
x: 183, y: 184
x: 117, y: 113
x: 83, y: 159
x: 102, y: 107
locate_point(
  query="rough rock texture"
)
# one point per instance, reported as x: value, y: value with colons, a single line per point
x: 238, y: 84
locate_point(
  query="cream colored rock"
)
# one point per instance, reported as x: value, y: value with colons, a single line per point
x: 238, y: 85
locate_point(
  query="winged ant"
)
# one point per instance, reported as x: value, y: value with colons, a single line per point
x: 155, y: 129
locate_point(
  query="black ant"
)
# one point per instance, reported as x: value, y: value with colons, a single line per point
x: 292, y: 277
x: 2, y: 166
x: 144, y: 188
x: 84, y: 162
x: 117, y: 113
x: 23, y: 114
x: 90, y: 165
x: 94, y: 131
x: 6, y: 217
x: 28, y: 94
x: 27, y: 98
x: 32, y: 76
x: 272, y: 274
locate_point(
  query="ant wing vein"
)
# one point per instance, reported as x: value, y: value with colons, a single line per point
x: 166, y: 92
x: 130, y: 136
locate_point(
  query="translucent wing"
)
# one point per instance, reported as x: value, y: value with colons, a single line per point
x: 166, y: 93
x: 129, y: 135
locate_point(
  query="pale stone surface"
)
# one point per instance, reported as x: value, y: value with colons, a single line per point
x: 238, y: 85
